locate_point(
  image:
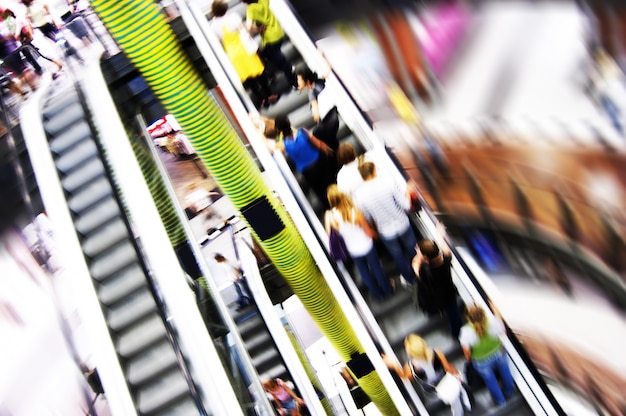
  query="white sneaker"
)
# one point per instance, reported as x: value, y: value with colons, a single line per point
x: 405, y: 284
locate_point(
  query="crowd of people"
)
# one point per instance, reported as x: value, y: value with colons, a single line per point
x: 21, y: 55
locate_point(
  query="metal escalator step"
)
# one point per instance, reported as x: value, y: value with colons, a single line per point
x: 108, y: 263
x: 184, y: 407
x: 57, y: 104
x: 158, y: 358
x: 70, y: 137
x: 131, y: 309
x: 84, y: 174
x: 72, y: 113
x: 121, y: 284
x: 76, y: 156
x: 165, y: 390
x: 103, y: 238
x: 97, y: 216
x: 140, y: 336
x: 286, y: 104
x: 89, y: 195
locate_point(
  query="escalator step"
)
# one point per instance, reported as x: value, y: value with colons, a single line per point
x: 163, y: 391
x: 77, y: 156
x: 69, y: 136
x: 108, y: 263
x: 140, y: 336
x: 59, y: 127
x: 81, y: 176
x: 152, y: 362
x: 105, y: 237
x: 131, y: 309
x: 90, y: 195
x: 97, y: 216
x: 121, y: 284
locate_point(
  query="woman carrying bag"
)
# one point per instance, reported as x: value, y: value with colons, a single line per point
x: 346, y: 219
x: 433, y: 373
x: 480, y: 340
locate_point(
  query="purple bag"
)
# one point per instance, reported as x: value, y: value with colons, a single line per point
x: 337, y: 247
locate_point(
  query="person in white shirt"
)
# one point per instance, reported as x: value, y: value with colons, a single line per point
x: 385, y: 204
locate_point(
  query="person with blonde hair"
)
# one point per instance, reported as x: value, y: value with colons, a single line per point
x: 347, y: 220
x: 480, y: 340
x: 428, y: 367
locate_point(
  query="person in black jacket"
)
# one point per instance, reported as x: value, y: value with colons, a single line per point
x: 436, y: 291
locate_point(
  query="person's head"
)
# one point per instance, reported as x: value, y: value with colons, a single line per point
x: 477, y: 318
x: 345, y: 153
x: 271, y: 384
x: 429, y: 249
x: 219, y: 8
x: 6, y: 13
x: 416, y: 347
x: 305, y: 77
x: 27, y: 3
x: 337, y: 199
x: 219, y: 258
x: 367, y: 170
x: 283, y: 126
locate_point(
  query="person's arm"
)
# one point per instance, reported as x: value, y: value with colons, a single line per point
x: 292, y: 394
x: 365, y: 225
x: 417, y: 261
x: 403, y: 372
x: 319, y: 144
x: 447, y: 366
x: 467, y: 352
x: 328, y: 222
x: 315, y: 110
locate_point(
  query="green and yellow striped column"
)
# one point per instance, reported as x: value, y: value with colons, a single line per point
x: 142, y: 32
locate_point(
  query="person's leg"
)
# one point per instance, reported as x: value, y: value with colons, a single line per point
x: 31, y: 56
x: 241, y: 298
x: 272, y: 52
x: 454, y: 319
x: 485, y: 369
x: 394, y: 247
x: 408, y: 240
x: 376, y: 269
x: 366, y: 277
x: 506, y: 378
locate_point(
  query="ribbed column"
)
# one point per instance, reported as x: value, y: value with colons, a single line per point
x: 142, y: 32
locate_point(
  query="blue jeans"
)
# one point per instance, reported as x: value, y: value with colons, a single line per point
x: 372, y: 274
x: 487, y: 369
x: 402, y: 250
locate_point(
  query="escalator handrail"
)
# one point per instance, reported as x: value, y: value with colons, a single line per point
x: 173, y: 296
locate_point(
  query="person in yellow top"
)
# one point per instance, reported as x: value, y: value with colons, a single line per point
x: 242, y: 52
x: 260, y: 20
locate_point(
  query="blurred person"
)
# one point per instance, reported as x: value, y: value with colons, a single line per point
x: 481, y: 344
x: 324, y: 112
x: 12, y: 61
x: 608, y: 81
x: 235, y: 272
x: 428, y: 366
x: 348, y: 178
x: 260, y: 20
x: 31, y: 52
x: 310, y: 155
x: 437, y: 293
x: 286, y: 401
x: 346, y: 219
x: 40, y: 17
x: 385, y: 205
x: 242, y: 52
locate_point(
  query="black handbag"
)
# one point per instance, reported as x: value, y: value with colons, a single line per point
x: 474, y: 379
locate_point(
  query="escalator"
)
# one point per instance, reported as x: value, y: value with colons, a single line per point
x: 135, y: 316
